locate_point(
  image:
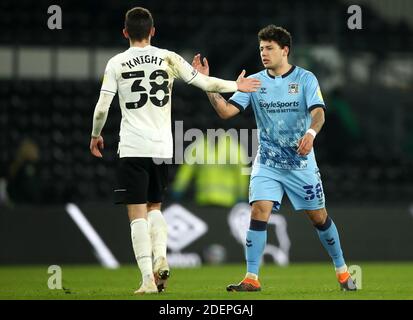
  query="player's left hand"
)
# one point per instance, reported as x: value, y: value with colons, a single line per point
x: 305, y: 144
x: 201, y: 67
x: 96, y: 144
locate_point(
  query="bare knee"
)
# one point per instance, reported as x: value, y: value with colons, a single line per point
x: 136, y: 211
x: 261, y: 210
x: 153, y: 206
x: 317, y: 217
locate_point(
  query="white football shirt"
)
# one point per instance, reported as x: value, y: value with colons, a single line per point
x: 143, y: 79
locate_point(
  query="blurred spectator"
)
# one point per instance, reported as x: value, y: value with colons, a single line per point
x: 24, y: 184
x: 215, y: 184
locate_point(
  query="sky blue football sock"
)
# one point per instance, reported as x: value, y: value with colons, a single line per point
x: 255, y: 244
x: 328, y: 235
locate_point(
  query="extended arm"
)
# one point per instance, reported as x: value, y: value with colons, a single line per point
x: 191, y: 75
x: 212, y: 84
x: 224, y: 109
x: 99, y: 118
x: 305, y: 144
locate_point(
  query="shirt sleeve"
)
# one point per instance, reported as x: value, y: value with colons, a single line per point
x: 183, y: 70
x: 101, y: 112
x: 180, y: 68
x: 313, y: 97
x: 241, y: 100
x: 109, y: 83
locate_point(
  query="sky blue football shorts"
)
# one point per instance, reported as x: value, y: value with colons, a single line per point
x: 303, y: 187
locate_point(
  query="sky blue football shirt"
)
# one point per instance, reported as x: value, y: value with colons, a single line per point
x: 282, y: 107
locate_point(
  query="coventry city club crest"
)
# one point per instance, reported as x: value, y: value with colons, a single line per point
x: 293, y: 88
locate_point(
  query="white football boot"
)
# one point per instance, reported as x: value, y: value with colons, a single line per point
x: 148, y: 286
x: 161, y: 273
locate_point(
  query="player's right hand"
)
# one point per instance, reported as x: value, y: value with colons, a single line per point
x: 247, y: 84
x: 201, y: 67
x: 96, y: 144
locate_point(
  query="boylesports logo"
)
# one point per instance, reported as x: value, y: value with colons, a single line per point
x: 277, y: 104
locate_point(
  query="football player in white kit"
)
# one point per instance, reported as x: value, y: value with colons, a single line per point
x: 143, y: 77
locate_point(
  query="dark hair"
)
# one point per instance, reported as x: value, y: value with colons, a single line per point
x: 138, y: 23
x: 277, y: 34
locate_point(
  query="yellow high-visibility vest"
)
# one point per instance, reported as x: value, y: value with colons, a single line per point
x: 217, y: 170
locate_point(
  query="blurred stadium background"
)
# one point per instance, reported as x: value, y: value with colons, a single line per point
x: 49, y: 85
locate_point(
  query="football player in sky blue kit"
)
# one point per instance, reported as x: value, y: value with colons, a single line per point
x: 289, y: 110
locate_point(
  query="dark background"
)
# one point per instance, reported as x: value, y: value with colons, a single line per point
x: 51, y: 237
x: 365, y: 150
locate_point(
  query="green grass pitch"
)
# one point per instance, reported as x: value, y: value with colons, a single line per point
x: 297, y: 281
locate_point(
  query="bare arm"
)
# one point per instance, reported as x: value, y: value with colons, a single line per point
x: 305, y: 144
x: 224, y: 109
x: 317, y: 120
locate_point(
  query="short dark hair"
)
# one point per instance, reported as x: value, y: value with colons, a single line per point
x: 138, y: 23
x: 277, y: 34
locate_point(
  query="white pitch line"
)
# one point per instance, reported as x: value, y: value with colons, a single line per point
x: 103, y: 253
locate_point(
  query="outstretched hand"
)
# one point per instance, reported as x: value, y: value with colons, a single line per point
x: 201, y: 67
x: 96, y: 144
x: 247, y: 84
x: 244, y: 84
